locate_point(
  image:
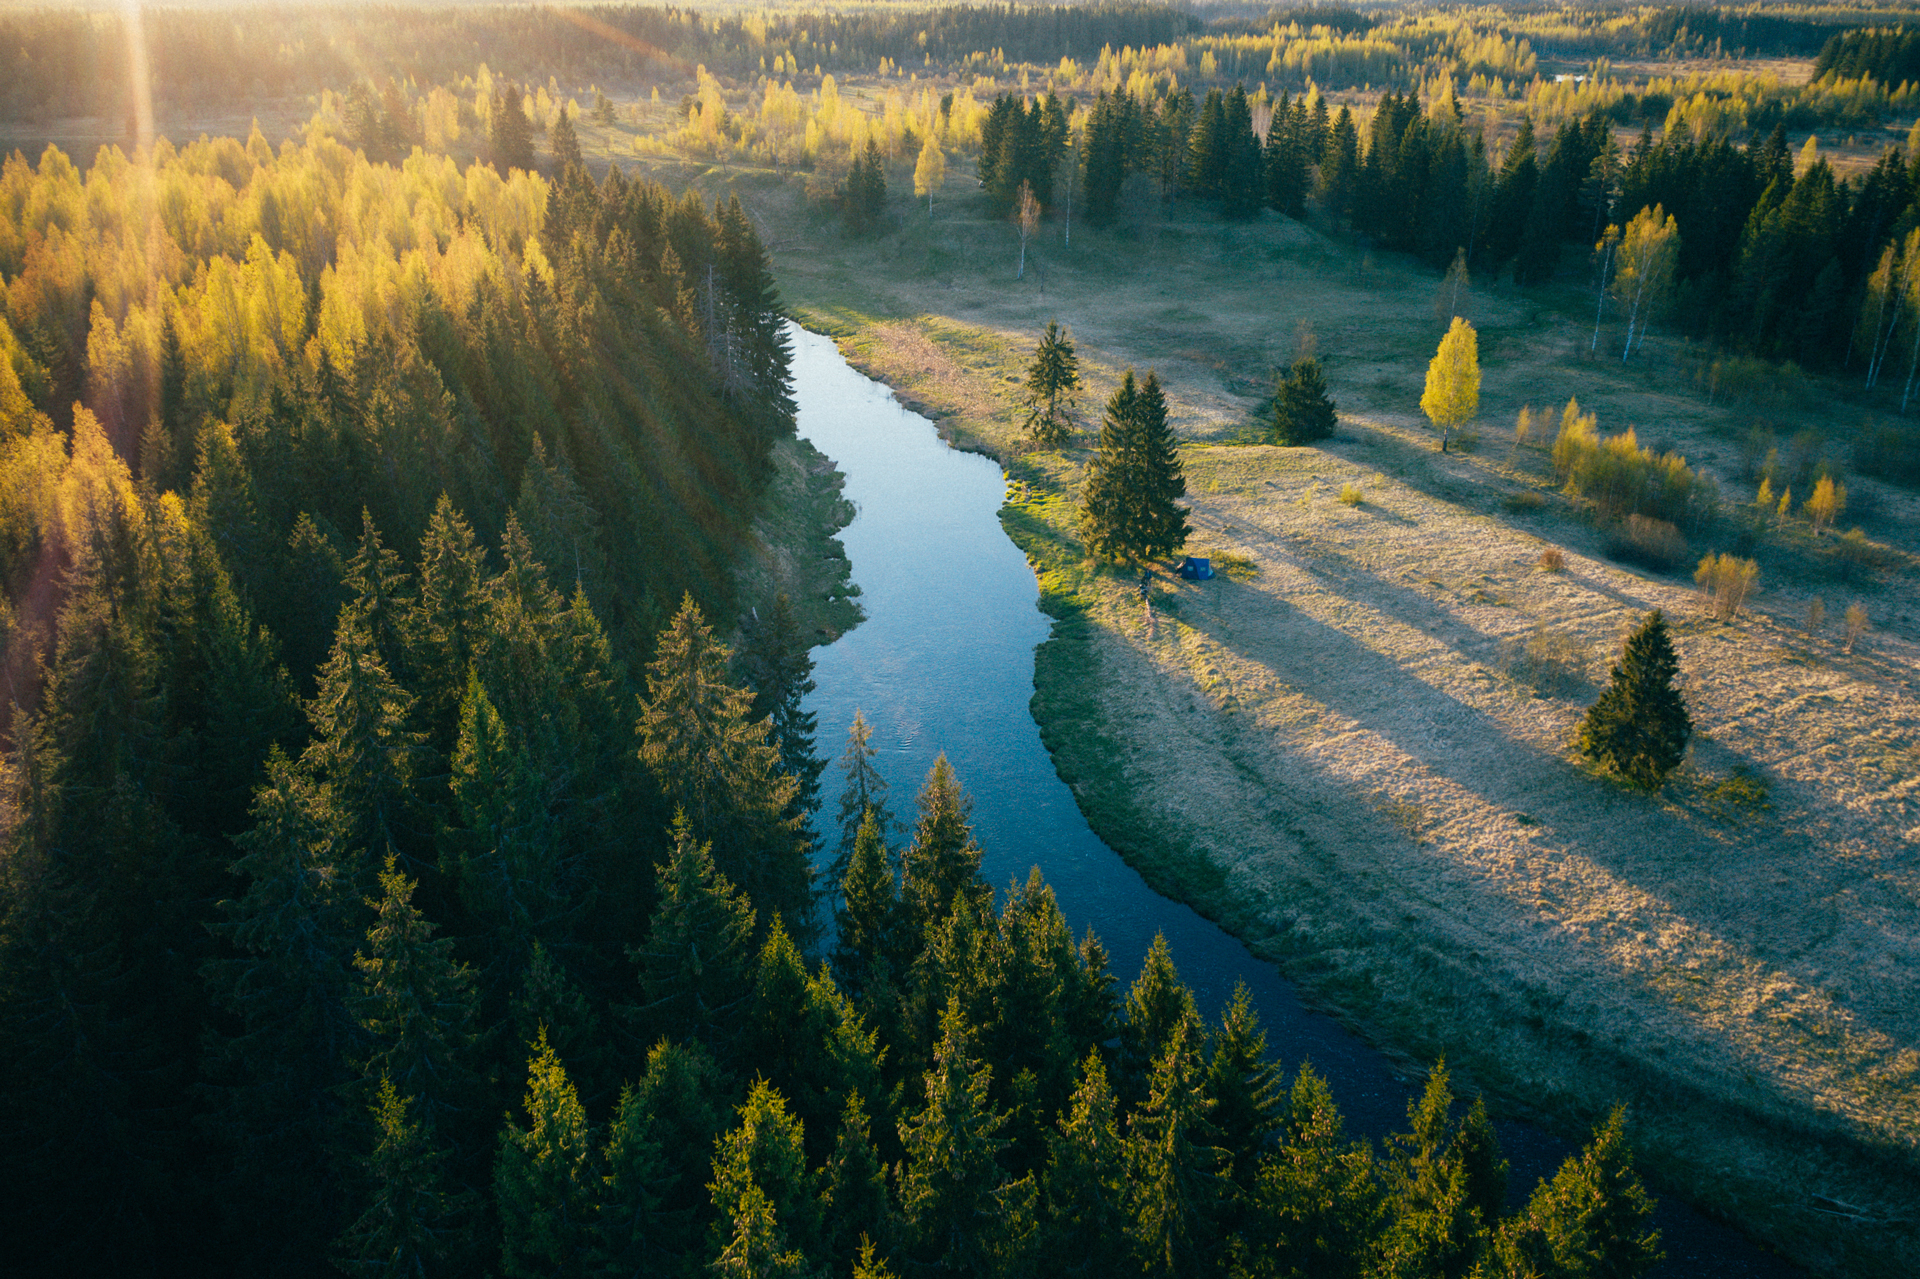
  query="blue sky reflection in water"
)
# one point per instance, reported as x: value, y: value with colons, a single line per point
x: 944, y: 661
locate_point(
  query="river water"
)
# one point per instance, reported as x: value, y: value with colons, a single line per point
x: 944, y: 662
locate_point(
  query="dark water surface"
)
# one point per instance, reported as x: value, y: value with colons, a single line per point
x: 944, y: 661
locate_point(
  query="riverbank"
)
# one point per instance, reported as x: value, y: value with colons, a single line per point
x: 1343, y: 752
x: 795, y: 549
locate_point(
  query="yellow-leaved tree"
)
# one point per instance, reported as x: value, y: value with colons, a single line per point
x: 930, y: 172
x: 1452, y: 397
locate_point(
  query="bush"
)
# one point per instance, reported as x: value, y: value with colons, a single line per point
x: 1350, y: 494
x: 1552, y: 663
x: 1854, y: 552
x: 1524, y: 502
x: 1726, y: 582
x: 1623, y: 479
x: 1855, y: 623
x: 1650, y: 543
x: 1553, y: 560
x: 1639, y: 727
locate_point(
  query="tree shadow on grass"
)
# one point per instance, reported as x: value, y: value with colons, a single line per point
x: 1655, y: 845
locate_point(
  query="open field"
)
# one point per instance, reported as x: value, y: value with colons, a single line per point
x: 1347, y: 749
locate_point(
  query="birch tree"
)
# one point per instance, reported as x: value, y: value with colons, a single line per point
x: 930, y: 171
x: 1026, y: 216
x: 1452, y: 397
x: 1643, y: 269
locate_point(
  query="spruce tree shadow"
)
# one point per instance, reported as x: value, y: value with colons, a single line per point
x: 1757, y: 883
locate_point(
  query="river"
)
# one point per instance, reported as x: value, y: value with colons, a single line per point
x: 944, y: 662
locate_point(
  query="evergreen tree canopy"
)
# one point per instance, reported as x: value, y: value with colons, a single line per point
x: 1130, y: 511
x: 1639, y: 728
x: 1052, y: 378
x: 1302, y: 412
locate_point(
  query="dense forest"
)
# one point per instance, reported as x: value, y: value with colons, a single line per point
x: 401, y: 875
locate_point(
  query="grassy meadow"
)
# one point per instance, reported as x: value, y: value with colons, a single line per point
x: 1352, y: 746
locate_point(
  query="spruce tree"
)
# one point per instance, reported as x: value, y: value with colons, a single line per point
x: 416, y: 1003
x: 696, y: 963
x: 1158, y: 1005
x: 714, y: 763
x: 1302, y: 411
x: 510, y: 138
x: 762, y: 1160
x: 863, y: 793
x: 942, y: 863
x: 412, y: 1223
x: 854, y: 1192
x: 1589, y: 1222
x: 1245, y: 1089
x: 951, y: 1172
x: 1085, y: 1181
x: 868, y: 919
x: 1052, y: 378
x: 630, y: 1232
x: 544, y: 1177
x: 1316, y: 1207
x: 1639, y: 728
x: 1174, y: 1183
x: 1130, y: 511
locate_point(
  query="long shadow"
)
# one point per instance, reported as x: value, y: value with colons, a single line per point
x: 1475, y: 751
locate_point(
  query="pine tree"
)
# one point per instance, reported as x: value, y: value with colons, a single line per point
x: 1302, y: 411
x: 1452, y: 395
x: 544, y: 1176
x: 1340, y: 167
x: 696, y: 963
x: 1052, y: 378
x: 1130, y: 510
x: 1639, y: 728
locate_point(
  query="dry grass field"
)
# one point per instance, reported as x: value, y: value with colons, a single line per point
x: 1352, y: 746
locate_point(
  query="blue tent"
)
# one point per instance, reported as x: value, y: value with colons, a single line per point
x: 1196, y: 568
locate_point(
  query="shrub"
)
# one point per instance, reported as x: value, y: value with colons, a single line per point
x: 1855, y: 552
x: 1553, y: 663
x: 1350, y: 494
x: 1622, y: 478
x: 1726, y: 582
x: 1524, y: 502
x: 1816, y: 614
x: 1553, y: 560
x: 1650, y: 543
x: 1639, y: 727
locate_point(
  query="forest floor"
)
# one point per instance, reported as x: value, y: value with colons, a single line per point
x: 1351, y: 748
